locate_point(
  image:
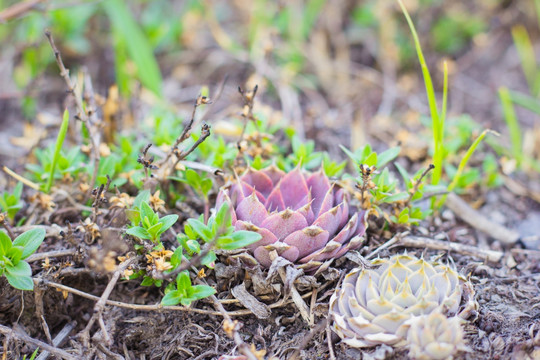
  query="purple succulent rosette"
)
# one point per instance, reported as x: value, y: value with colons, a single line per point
x: 303, y: 216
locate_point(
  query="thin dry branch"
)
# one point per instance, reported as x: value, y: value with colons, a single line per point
x: 81, y: 113
x: 51, y: 254
x: 231, y: 328
x: 156, y: 307
x: 100, y: 305
x: 479, y: 221
x: 18, y: 10
x: 187, y: 129
x: 20, y: 335
x: 422, y: 242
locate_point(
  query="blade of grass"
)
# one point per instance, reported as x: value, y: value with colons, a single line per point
x: 526, y: 101
x: 526, y: 55
x: 464, y: 161
x: 138, y: 47
x: 512, y: 123
x: 438, y: 125
x: 59, y: 142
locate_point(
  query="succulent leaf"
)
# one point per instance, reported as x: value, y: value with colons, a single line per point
x: 375, y: 306
x: 303, y: 217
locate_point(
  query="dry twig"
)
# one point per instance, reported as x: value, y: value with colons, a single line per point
x: 81, y: 113
x: 100, y: 305
x: 422, y: 242
x: 479, y: 221
x: 20, y: 335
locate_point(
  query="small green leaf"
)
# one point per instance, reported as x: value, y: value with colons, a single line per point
x: 134, y: 216
x: 223, y: 216
x: 139, y: 232
x: 171, y: 298
x: 20, y: 282
x: 202, y: 230
x: 147, y: 212
x: 30, y: 241
x: 143, y: 196
x: 193, y: 178
x: 15, y: 254
x: 396, y: 197
x: 371, y: 160
x: 20, y: 269
x: 5, y: 243
x: 167, y: 222
x: 237, y: 240
x: 201, y: 291
x: 206, y: 186
x: 147, y: 281
x: 388, y: 155
x: 183, y: 282
x: 209, y: 259
x: 176, y: 258
x: 154, y: 231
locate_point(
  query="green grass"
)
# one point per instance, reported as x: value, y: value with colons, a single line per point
x: 438, y: 117
x: 59, y: 142
x: 512, y: 123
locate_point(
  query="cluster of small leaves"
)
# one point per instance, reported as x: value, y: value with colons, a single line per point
x: 183, y: 292
x: 69, y: 163
x: 202, y: 184
x: 458, y: 135
x: 121, y: 165
x: 384, y: 187
x: 12, y: 255
x: 145, y: 223
x: 11, y: 203
x: 217, y: 234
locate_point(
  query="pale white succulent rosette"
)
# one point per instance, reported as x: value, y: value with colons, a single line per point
x: 373, y: 306
x: 435, y: 337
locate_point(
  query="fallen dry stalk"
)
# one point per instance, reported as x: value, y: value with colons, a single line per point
x: 20, y: 335
x: 51, y: 254
x: 479, y: 221
x: 422, y: 242
x: 156, y: 307
x: 100, y: 305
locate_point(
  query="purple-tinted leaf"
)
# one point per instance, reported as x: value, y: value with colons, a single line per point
x: 307, y: 212
x: 284, y: 223
x: 275, y: 201
x: 259, y: 181
x: 327, y: 252
x: 307, y: 240
x: 274, y: 174
x: 346, y: 232
x: 319, y: 186
x: 252, y: 210
x: 326, y: 204
x: 294, y: 188
x: 329, y: 220
x: 267, y: 236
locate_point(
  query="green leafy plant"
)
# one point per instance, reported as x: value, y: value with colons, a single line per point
x: 437, y: 116
x: 182, y: 292
x: 33, y: 356
x: 131, y: 41
x: 12, y: 255
x: 217, y: 234
x: 11, y: 202
x: 147, y: 225
x: 69, y: 163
